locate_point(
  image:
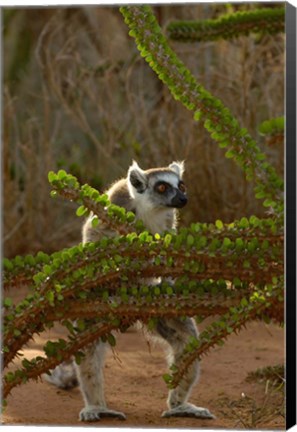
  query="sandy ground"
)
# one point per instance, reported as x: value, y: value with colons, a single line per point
x: 134, y: 385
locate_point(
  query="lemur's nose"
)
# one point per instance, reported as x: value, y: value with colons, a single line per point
x: 183, y: 200
x: 180, y: 200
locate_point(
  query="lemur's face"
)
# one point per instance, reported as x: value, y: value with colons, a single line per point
x: 167, y: 190
x: 159, y: 187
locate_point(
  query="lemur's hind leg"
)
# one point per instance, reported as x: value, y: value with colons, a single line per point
x: 90, y: 377
x: 177, y: 332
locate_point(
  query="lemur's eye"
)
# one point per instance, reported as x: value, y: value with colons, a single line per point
x: 162, y: 187
x: 182, y: 187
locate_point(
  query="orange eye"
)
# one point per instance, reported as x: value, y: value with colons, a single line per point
x: 161, y: 188
x: 182, y: 187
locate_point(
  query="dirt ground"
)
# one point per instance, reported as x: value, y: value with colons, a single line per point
x: 134, y: 385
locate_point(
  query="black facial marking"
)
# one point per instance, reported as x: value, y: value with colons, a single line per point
x: 179, y: 200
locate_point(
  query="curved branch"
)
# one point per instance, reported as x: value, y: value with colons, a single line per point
x: 218, y: 119
x: 229, y: 26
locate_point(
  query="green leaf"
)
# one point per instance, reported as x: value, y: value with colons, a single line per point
x: 95, y: 221
x: 111, y: 340
x: 7, y: 264
x: 198, y: 115
x: 7, y: 302
x: 52, y: 176
x: 239, y: 244
x: 190, y: 240
x: 219, y: 224
x: 47, y: 269
x: 81, y: 211
x: 244, y: 223
x: 202, y: 242
x: 169, y: 290
x: 143, y: 237
x: 18, y: 260
x: 167, y: 378
x: 265, y: 244
x: 157, y: 290
x: 227, y: 242
x: 80, y: 324
x: 130, y: 217
x: 230, y: 154
x: 10, y: 377
x: 78, y: 356
x: 167, y: 240
x: 38, y: 278
x: 50, y: 297
x: 246, y: 264
x: 244, y: 302
x: 26, y: 363
x: 42, y: 257
x: 223, y: 144
x: 254, y: 221
x: 252, y: 245
x: 29, y: 259
x: 62, y: 174
x: 269, y: 203
x: 260, y: 156
x: 214, y: 245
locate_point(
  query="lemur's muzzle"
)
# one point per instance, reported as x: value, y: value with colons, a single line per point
x: 179, y: 200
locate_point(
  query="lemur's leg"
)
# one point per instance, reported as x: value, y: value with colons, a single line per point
x: 90, y: 377
x: 176, y: 332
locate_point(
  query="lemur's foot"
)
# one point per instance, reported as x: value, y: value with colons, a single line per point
x: 95, y: 413
x: 189, y: 410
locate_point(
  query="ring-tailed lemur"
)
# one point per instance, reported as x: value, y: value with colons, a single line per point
x: 153, y: 195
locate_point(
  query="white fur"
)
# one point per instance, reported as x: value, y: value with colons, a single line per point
x: 178, y: 167
x: 155, y: 220
x: 170, y: 178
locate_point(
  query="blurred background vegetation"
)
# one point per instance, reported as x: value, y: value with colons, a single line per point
x: 77, y: 96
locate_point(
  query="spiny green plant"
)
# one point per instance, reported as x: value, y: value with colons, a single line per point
x: 216, y: 271
x: 272, y: 127
x: 273, y: 131
x: 218, y: 120
x: 229, y: 26
x: 232, y: 270
x: 274, y: 374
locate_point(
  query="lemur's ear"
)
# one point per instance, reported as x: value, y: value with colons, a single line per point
x: 178, y: 167
x: 137, y: 179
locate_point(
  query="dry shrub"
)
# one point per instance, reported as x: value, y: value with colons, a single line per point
x: 88, y: 103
